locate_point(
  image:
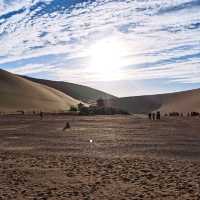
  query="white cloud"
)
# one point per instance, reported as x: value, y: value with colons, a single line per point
x: 13, y: 5
x: 32, y: 69
x: 157, y: 32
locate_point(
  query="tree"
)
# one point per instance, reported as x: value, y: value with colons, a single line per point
x: 73, y: 109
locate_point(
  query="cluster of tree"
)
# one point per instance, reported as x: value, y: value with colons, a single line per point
x: 93, y: 110
x: 73, y: 109
x: 98, y: 109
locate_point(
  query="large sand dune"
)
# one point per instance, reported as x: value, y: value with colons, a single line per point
x: 187, y: 101
x: 30, y: 93
x: 17, y: 93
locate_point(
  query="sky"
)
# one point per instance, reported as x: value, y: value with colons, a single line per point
x: 123, y: 47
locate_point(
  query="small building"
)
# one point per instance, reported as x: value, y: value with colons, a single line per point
x: 100, y: 103
x: 80, y: 106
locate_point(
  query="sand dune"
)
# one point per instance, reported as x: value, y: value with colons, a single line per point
x: 30, y: 93
x: 187, y: 101
x: 18, y: 93
x: 83, y: 93
x: 173, y: 102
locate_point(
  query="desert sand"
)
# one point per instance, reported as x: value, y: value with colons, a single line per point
x: 130, y: 157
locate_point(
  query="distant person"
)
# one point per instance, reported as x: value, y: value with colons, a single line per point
x: 158, y: 115
x: 41, y: 115
x: 153, y: 116
x: 150, y: 116
x: 67, y: 126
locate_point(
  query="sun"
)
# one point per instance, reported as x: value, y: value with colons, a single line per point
x: 106, y: 58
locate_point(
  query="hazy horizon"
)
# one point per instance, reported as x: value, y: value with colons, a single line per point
x: 126, y: 48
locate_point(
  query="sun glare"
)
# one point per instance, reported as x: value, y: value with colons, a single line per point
x: 107, y: 57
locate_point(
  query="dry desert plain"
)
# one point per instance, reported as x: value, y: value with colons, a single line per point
x: 130, y: 157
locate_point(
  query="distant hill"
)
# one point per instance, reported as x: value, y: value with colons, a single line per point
x: 80, y: 92
x: 186, y: 101
x: 17, y: 93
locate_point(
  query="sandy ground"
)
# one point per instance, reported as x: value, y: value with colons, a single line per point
x: 130, y: 158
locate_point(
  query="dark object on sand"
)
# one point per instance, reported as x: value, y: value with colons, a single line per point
x: 150, y: 116
x: 21, y: 112
x: 67, y: 126
x: 158, y: 116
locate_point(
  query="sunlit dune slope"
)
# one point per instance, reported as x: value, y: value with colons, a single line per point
x: 187, y: 101
x: 17, y: 93
x: 83, y: 93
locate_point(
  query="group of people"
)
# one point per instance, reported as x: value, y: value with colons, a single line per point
x: 155, y: 116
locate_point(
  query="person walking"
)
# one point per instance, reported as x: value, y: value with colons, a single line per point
x: 150, y: 116
x: 158, y: 115
x: 153, y: 116
x: 41, y: 115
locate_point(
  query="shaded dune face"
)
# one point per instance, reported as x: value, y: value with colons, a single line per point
x: 83, y: 93
x: 18, y: 93
x: 138, y: 104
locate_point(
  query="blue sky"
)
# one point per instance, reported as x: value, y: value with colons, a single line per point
x: 125, y: 47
